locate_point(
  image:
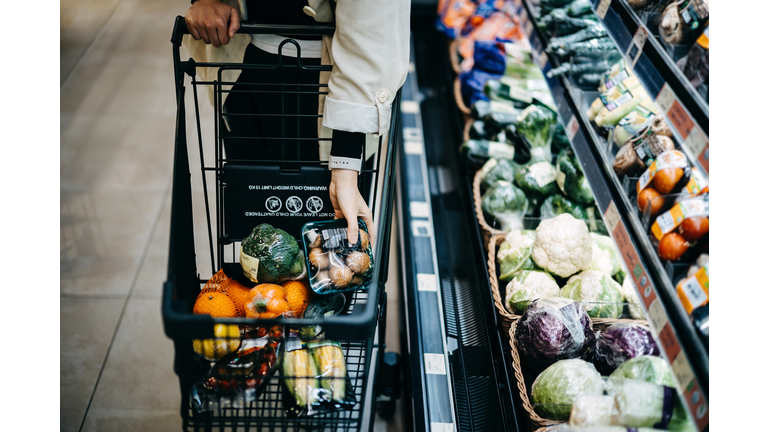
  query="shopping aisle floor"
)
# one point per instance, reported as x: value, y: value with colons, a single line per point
x: 117, y: 130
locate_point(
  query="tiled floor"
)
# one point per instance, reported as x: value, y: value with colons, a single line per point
x: 117, y: 131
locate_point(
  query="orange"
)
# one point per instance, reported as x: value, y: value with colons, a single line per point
x: 298, y: 294
x: 215, y: 303
x: 238, y: 293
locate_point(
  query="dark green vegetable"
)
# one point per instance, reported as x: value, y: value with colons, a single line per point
x: 595, y: 31
x: 477, y: 130
x: 506, y: 203
x: 571, y: 179
x: 277, y: 252
x: 559, y: 22
x: 534, y: 125
x: 560, y: 140
x: 497, y: 169
x: 522, y: 151
x: 537, y: 179
x: 479, y: 151
x: 482, y: 108
x: 579, y: 8
x: 501, y: 91
x: 592, y: 47
x: 557, y: 204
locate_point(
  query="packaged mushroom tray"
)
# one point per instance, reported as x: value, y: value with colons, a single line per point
x: 336, y: 265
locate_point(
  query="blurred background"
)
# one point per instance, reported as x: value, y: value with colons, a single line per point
x: 117, y: 132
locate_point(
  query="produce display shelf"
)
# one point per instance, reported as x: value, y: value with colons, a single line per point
x: 685, y: 110
x: 670, y: 324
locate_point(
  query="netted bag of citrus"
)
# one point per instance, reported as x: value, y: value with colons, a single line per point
x: 335, y: 264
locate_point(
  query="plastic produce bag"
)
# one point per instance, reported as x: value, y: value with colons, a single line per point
x: 571, y: 180
x: 605, y: 255
x: 632, y: 299
x: 644, y: 404
x: 497, y: 170
x: 335, y: 264
x: 649, y: 368
x: 552, y: 329
x: 507, y: 204
x: 335, y: 387
x: 527, y: 286
x: 534, y: 125
x: 621, y: 342
x: 321, y: 307
x: 597, y: 292
x: 537, y: 179
x: 557, y: 204
x: 593, y: 410
x: 555, y: 389
x: 515, y: 253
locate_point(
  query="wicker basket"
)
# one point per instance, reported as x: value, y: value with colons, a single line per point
x: 487, y: 230
x: 453, y: 53
x: 506, y: 318
x: 459, y: 100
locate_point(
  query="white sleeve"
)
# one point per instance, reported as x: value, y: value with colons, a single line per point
x: 370, y: 53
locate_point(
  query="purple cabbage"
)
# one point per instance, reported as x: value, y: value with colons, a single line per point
x: 552, y: 329
x: 621, y: 342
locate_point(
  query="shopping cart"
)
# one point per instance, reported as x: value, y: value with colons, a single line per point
x: 236, y: 195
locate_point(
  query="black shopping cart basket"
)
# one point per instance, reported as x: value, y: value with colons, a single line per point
x: 282, y: 185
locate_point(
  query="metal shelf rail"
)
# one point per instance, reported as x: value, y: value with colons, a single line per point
x: 674, y: 333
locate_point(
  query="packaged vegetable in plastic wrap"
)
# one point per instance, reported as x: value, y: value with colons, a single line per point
x: 605, y: 255
x: 621, y: 342
x: 479, y: 151
x: 597, y: 292
x: 299, y: 373
x: 631, y: 124
x: 335, y: 264
x: 321, y: 307
x: 534, y: 125
x: 625, y: 102
x: 507, y: 204
x: 681, y: 227
x: 649, y: 368
x: 453, y: 16
x: 666, y: 171
x: 555, y: 389
x: 335, y: 388
x: 592, y: 410
x: 616, y: 87
x: 537, y: 179
x: 557, y: 204
x: 267, y: 301
x: 527, y: 286
x: 497, y: 169
x: 644, y: 404
x: 693, y: 290
x: 271, y: 255
x: 237, y: 379
x: 571, y: 180
x: 562, y: 245
x: 515, y: 253
x: 552, y: 329
x: 632, y: 299
x: 489, y: 64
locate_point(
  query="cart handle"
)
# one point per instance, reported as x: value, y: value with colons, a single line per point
x: 248, y: 27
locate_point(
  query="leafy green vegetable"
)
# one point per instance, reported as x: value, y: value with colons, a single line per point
x: 554, y: 390
x: 599, y: 294
x: 527, y: 286
x: 559, y: 139
x: 537, y: 179
x: 648, y: 368
x: 277, y: 253
x: 557, y: 204
x: 515, y: 253
x: 571, y: 179
x: 606, y: 257
x: 535, y: 126
x: 497, y: 169
x: 506, y: 203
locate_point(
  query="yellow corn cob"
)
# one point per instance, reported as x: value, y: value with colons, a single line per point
x: 332, y: 366
x: 300, y: 365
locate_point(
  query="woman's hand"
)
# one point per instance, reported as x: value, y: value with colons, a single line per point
x: 349, y: 204
x: 212, y: 21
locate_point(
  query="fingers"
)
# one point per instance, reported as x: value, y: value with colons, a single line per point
x: 192, y: 29
x: 352, y: 227
x: 221, y: 33
x: 367, y: 217
x: 234, y: 22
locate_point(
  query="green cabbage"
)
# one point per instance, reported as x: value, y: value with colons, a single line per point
x: 557, y: 204
x: 554, y: 390
x: 527, y: 286
x: 646, y: 368
x: 641, y: 404
x: 599, y: 294
x: 515, y: 253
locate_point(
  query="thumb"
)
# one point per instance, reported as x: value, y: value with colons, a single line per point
x: 352, y: 229
x: 234, y: 22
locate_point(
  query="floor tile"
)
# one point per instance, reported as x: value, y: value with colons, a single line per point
x: 103, y: 236
x: 138, y: 389
x: 87, y: 325
x: 110, y: 151
x: 90, y: 4
x: 78, y: 29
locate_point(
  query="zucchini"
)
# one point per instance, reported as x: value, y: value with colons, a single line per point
x: 592, y: 47
x: 595, y: 31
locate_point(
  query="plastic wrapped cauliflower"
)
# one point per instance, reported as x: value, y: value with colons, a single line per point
x: 527, y: 286
x: 599, y: 294
x: 633, y: 300
x: 563, y: 245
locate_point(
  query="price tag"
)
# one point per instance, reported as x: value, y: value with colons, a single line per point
x: 657, y: 317
x: 572, y: 128
x: 426, y: 281
x: 682, y: 370
x: 696, y: 142
x: 434, y: 364
x: 602, y: 8
x: 636, y: 47
x: 419, y: 209
x: 665, y: 98
x: 611, y: 217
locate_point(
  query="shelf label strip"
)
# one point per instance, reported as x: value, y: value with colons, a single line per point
x: 636, y: 47
x: 695, y: 139
x: 602, y: 8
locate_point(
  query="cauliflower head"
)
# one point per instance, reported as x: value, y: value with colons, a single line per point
x: 605, y: 255
x: 515, y: 241
x: 527, y: 286
x: 563, y: 245
x: 600, y: 295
